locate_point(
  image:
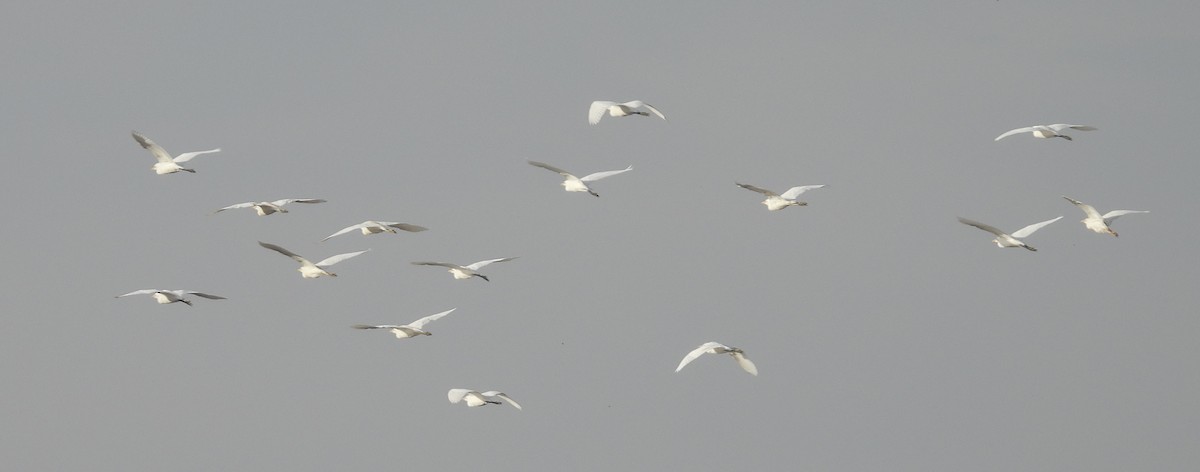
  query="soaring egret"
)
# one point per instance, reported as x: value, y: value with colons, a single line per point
x: 1009, y: 240
x: 777, y: 201
x: 474, y: 398
x: 599, y: 107
x: 172, y: 296
x: 579, y: 184
x: 307, y: 269
x: 267, y: 208
x: 718, y: 348
x: 166, y: 164
x: 467, y: 271
x: 1046, y: 131
x: 1097, y: 222
x: 416, y: 328
x: 374, y: 227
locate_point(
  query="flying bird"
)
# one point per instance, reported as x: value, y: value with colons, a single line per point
x: 467, y: 271
x: 718, y: 348
x: 1097, y: 222
x: 307, y: 269
x: 172, y: 296
x: 1046, y: 131
x: 579, y: 184
x: 166, y: 164
x: 416, y: 328
x: 375, y: 227
x: 474, y: 398
x: 777, y: 201
x: 267, y: 208
x: 599, y: 107
x: 1009, y: 240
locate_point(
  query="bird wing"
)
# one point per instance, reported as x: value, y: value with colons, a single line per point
x: 187, y: 156
x: 345, y: 230
x: 331, y: 260
x: 480, y: 264
x: 200, y: 294
x: 1006, y: 134
x: 745, y: 363
x: 493, y: 393
x: 456, y: 395
x: 147, y: 144
x: 641, y: 104
x: 600, y: 175
x: 597, y: 110
x: 1087, y: 209
x: 294, y: 256
x: 550, y: 168
x: 439, y: 264
x: 404, y: 226
x: 419, y: 324
x: 794, y: 192
x: 1061, y: 126
x: 286, y: 201
x: 988, y: 228
x: 1112, y: 215
x: 138, y: 292
x: 235, y: 205
x: 1028, y: 230
x: 697, y: 352
x: 361, y: 326
x: 757, y: 189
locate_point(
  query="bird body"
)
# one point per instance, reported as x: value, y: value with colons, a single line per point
x: 171, y: 296
x: 416, y: 328
x: 465, y: 272
x: 267, y: 208
x: 376, y: 227
x: 307, y: 269
x: 1009, y: 240
x: 1046, y: 131
x: 473, y: 398
x: 600, y: 107
x: 1097, y: 222
x: 718, y: 348
x: 167, y: 164
x: 579, y: 184
x: 777, y: 201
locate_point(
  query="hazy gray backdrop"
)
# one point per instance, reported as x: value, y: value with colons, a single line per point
x: 888, y: 336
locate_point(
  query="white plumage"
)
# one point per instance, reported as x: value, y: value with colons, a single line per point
x: 172, y: 296
x: 1046, y: 131
x: 600, y: 107
x: 167, y: 164
x: 579, y: 184
x: 467, y: 271
x: 779, y: 201
x: 307, y: 269
x: 1097, y: 222
x: 718, y: 348
x: 1009, y: 240
x: 473, y: 398
x: 415, y: 328
x: 267, y: 208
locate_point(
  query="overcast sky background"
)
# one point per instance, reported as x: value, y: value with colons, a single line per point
x: 888, y: 336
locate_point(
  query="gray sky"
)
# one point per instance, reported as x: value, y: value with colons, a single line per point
x: 887, y: 335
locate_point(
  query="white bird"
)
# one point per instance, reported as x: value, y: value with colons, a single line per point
x: 1009, y: 240
x: 1097, y: 222
x: 579, y: 184
x: 307, y: 269
x: 599, y: 107
x: 474, y: 398
x: 1047, y: 131
x: 374, y: 227
x: 416, y: 328
x: 718, y: 348
x: 166, y: 164
x: 467, y: 271
x: 267, y: 208
x: 172, y: 296
x: 777, y: 201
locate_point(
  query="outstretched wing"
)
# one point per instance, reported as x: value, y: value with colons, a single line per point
x: 1087, y: 209
x: 404, y: 226
x: 138, y: 292
x: 235, y: 205
x: 439, y: 264
x: 294, y: 256
x: 745, y: 363
x: 345, y: 230
x: 1112, y: 215
x: 794, y: 192
x: 757, y: 189
x: 988, y: 228
x: 456, y: 395
x: 1061, y: 126
x: 187, y: 156
x: 493, y: 393
x: 608, y: 173
x: 331, y: 260
x: 1006, y: 134
x: 1028, y: 230
x: 202, y: 295
x: 550, y: 168
x: 697, y: 352
x: 641, y: 104
x: 480, y: 264
x: 286, y: 201
x: 159, y: 153
x: 597, y: 110
x: 361, y: 326
x: 419, y: 324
